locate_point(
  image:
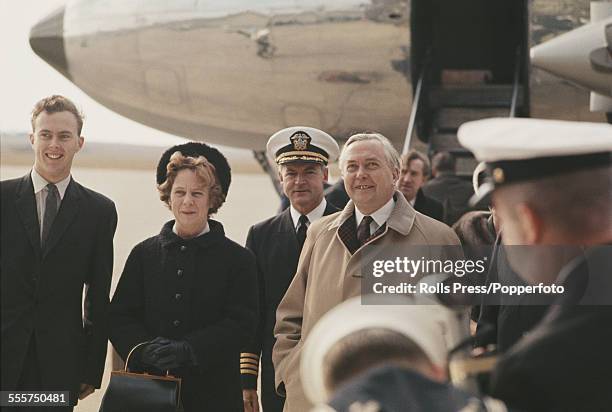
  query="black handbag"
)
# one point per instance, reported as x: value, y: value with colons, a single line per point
x: 141, y: 392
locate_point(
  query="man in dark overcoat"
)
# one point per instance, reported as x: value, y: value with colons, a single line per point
x: 302, y: 154
x: 57, y: 242
x: 447, y: 188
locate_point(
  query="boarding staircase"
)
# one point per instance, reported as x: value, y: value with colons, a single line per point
x: 469, y: 61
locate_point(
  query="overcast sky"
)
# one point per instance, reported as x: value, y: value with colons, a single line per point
x: 25, y: 78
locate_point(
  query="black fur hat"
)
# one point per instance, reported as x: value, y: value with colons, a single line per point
x: 195, y: 149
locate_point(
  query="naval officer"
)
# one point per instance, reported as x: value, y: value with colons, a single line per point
x: 302, y: 155
x: 551, y: 185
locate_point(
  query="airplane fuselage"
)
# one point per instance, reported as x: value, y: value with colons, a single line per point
x: 235, y: 72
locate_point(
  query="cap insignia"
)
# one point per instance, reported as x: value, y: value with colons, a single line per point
x: 498, y: 175
x: 300, y: 140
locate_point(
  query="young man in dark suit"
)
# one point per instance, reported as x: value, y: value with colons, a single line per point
x: 302, y: 154
x: 57, y: 241
x: 414, y: 172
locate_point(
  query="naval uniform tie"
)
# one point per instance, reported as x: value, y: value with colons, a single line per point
x: 51, y: 207
x: 301, y: 232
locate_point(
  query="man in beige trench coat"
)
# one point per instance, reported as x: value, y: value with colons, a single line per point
x: 328, y: 271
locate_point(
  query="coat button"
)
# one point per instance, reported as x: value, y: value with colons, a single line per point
x: 179, y: 272
x: 176, y: 323
x: 183, y: 248
x: 178, y: 296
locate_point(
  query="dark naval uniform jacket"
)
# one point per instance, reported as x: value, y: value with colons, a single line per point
x: 201, y: 290
x: 508, y: 318
x: 564, y: 363
x: 42, y: 289
x: 276, y: 249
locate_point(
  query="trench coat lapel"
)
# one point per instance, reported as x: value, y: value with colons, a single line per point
x: 26, y: 208
x: 66, y: 214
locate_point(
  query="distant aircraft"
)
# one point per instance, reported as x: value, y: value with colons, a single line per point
x: 234, y: 72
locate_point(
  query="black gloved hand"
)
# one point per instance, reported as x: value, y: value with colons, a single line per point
x: 147, y: 357
x: 174, y: 354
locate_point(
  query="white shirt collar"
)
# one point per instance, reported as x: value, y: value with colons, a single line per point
x: 313, y: 216
x: 206, y: 230
x: 380, y: 216
x: 40, y: 183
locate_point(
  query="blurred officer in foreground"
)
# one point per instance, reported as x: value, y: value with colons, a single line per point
x: 57, y: 242
x: 329, y: 270
x: 552, y: 186
x: 302, y: 154
x: 390, y: 356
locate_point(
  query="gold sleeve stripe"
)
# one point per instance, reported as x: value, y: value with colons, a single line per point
x: 248, y: 371
x: 249, y: 355
x: 249, y: 362
x: 247, y: 366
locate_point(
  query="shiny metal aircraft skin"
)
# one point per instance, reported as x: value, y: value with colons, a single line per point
x: 234, y: 71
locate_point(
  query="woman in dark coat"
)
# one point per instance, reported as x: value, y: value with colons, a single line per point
x: 189, y: 291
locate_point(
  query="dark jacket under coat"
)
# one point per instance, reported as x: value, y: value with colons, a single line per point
x: 42, y: 289
x: 428, y: 206
x: 201, y: 290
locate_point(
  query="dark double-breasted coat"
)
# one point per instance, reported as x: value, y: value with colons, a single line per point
x: 276, y: 249
x: 42, y: 290
x: 201, y: 290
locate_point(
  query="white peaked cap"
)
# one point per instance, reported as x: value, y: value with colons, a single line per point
x: 523, y: 138
x: 433, y: 327
x: 302, y: 144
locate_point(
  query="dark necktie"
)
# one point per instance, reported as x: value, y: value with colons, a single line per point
x: 51, y: 206
x: 363, y: 230
x: 301, y: 232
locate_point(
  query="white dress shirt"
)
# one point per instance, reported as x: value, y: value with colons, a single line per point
x: 41, y: 192
x: 379, y: 217
x: 313, y: 216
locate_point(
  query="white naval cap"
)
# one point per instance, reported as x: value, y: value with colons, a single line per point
x: 431, y: 326
x: 519, y: 149
x: 302, y: 144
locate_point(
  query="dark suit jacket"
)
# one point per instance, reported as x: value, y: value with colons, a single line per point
x: 42, y: 289
x: 453, y: 193
x: 275, y: 246
x: 428, y: 206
